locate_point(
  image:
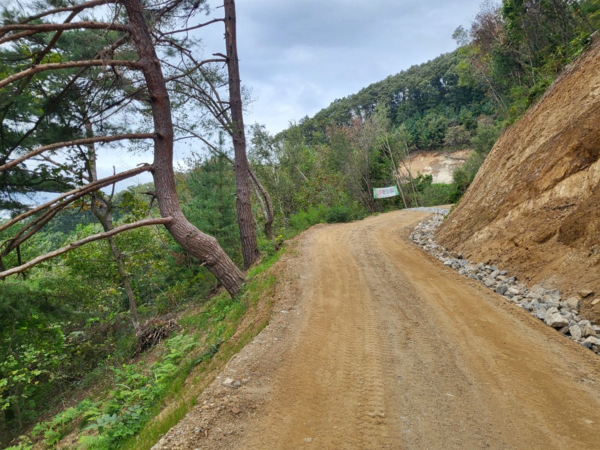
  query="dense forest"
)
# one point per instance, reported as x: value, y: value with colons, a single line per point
x: 96, y: 276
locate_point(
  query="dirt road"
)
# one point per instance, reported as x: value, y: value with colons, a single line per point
x: 379, y: 346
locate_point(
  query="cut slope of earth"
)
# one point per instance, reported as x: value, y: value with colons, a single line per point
x: 376, y: 345
x: 439, y: 164
x: 534, y: 207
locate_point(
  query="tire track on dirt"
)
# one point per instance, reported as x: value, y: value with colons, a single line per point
x: 384, y: 348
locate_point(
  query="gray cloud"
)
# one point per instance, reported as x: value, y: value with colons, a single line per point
x: 299, y: 56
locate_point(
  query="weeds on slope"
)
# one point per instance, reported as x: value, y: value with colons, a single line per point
x: 146, y: 400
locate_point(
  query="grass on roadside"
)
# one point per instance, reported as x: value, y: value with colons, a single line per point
x: 146, y: 400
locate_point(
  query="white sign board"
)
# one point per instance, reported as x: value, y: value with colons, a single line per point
x: 385, y: 192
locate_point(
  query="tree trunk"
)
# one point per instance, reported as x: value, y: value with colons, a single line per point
x: 198, y: 244
x: 266, y: 205
x: 101, y: 208
x: 135, y: 318
x: 395, y: 171
x: 412, y: 184
x: 410, y: 177
x: 104, y: 217
x: 244, y: 208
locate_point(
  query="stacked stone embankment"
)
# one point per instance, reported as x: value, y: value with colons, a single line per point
x: 534, y: 205
x: 545, y: 304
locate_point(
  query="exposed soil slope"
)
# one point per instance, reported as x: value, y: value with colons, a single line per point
x: 440, y: 165
x: 376, y: 345
x: 534, y: 207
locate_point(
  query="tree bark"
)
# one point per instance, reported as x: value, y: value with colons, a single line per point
x: 198, y: 244
x: 266, y: 205
x: 246, y: 224
x: 101, y: 208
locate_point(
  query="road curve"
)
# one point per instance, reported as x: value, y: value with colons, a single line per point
x: 391, y: 350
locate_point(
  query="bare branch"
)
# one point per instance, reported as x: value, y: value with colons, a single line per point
x: 75, y: 192
x: 187, y: 52
x: 37, y: 151
x: 69, y: 65
x: 193, y: 28
x: 30, y: 30
x: 213, y: 149
x: 65, y: 168
x: 269, y: 211
x: 110, y: 49
x: 213, y: 104
x: 76, y: 244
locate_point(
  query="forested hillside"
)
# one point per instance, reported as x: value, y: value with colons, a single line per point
x: 426, y: 100
x: 110, y: 296
x: 506, y: 60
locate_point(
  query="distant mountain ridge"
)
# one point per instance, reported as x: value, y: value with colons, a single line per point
x: 427, y: 99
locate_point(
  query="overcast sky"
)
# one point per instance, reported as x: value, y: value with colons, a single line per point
x: 297, y: 56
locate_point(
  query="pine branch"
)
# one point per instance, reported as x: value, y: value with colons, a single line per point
x: 69, y: 65
x: 86, y: 141
x: 76, y: 244
x: 79, y: 192
x: 30, y: 30
x: 74, y: 8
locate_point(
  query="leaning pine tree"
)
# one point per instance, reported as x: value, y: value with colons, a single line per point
x: 130, y: 53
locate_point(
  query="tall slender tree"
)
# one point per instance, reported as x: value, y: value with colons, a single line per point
x: 244, y: 208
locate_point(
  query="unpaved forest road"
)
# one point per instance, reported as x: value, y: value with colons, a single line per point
x: 391, y: 350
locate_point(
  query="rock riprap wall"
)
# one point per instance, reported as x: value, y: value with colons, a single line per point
x: 534, y: 206
x: 545, y: 304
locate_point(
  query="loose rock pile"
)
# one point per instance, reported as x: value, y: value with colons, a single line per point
x: 545, y: 304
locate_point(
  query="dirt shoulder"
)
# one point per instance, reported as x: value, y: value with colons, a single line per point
x: 374, y: 345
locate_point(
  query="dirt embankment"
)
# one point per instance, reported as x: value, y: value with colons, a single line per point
x: 534, y: 207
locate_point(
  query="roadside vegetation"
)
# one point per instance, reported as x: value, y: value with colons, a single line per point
x: 97, y: 342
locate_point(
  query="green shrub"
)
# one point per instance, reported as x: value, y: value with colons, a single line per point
x: 438, y: 194
x: 339, y: 214
x: 269, y: 247
x: 464, y: 176
x: 485, y: 138
x: 306, y: 219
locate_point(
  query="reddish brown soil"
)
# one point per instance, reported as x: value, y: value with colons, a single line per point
x: 534, y: 207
